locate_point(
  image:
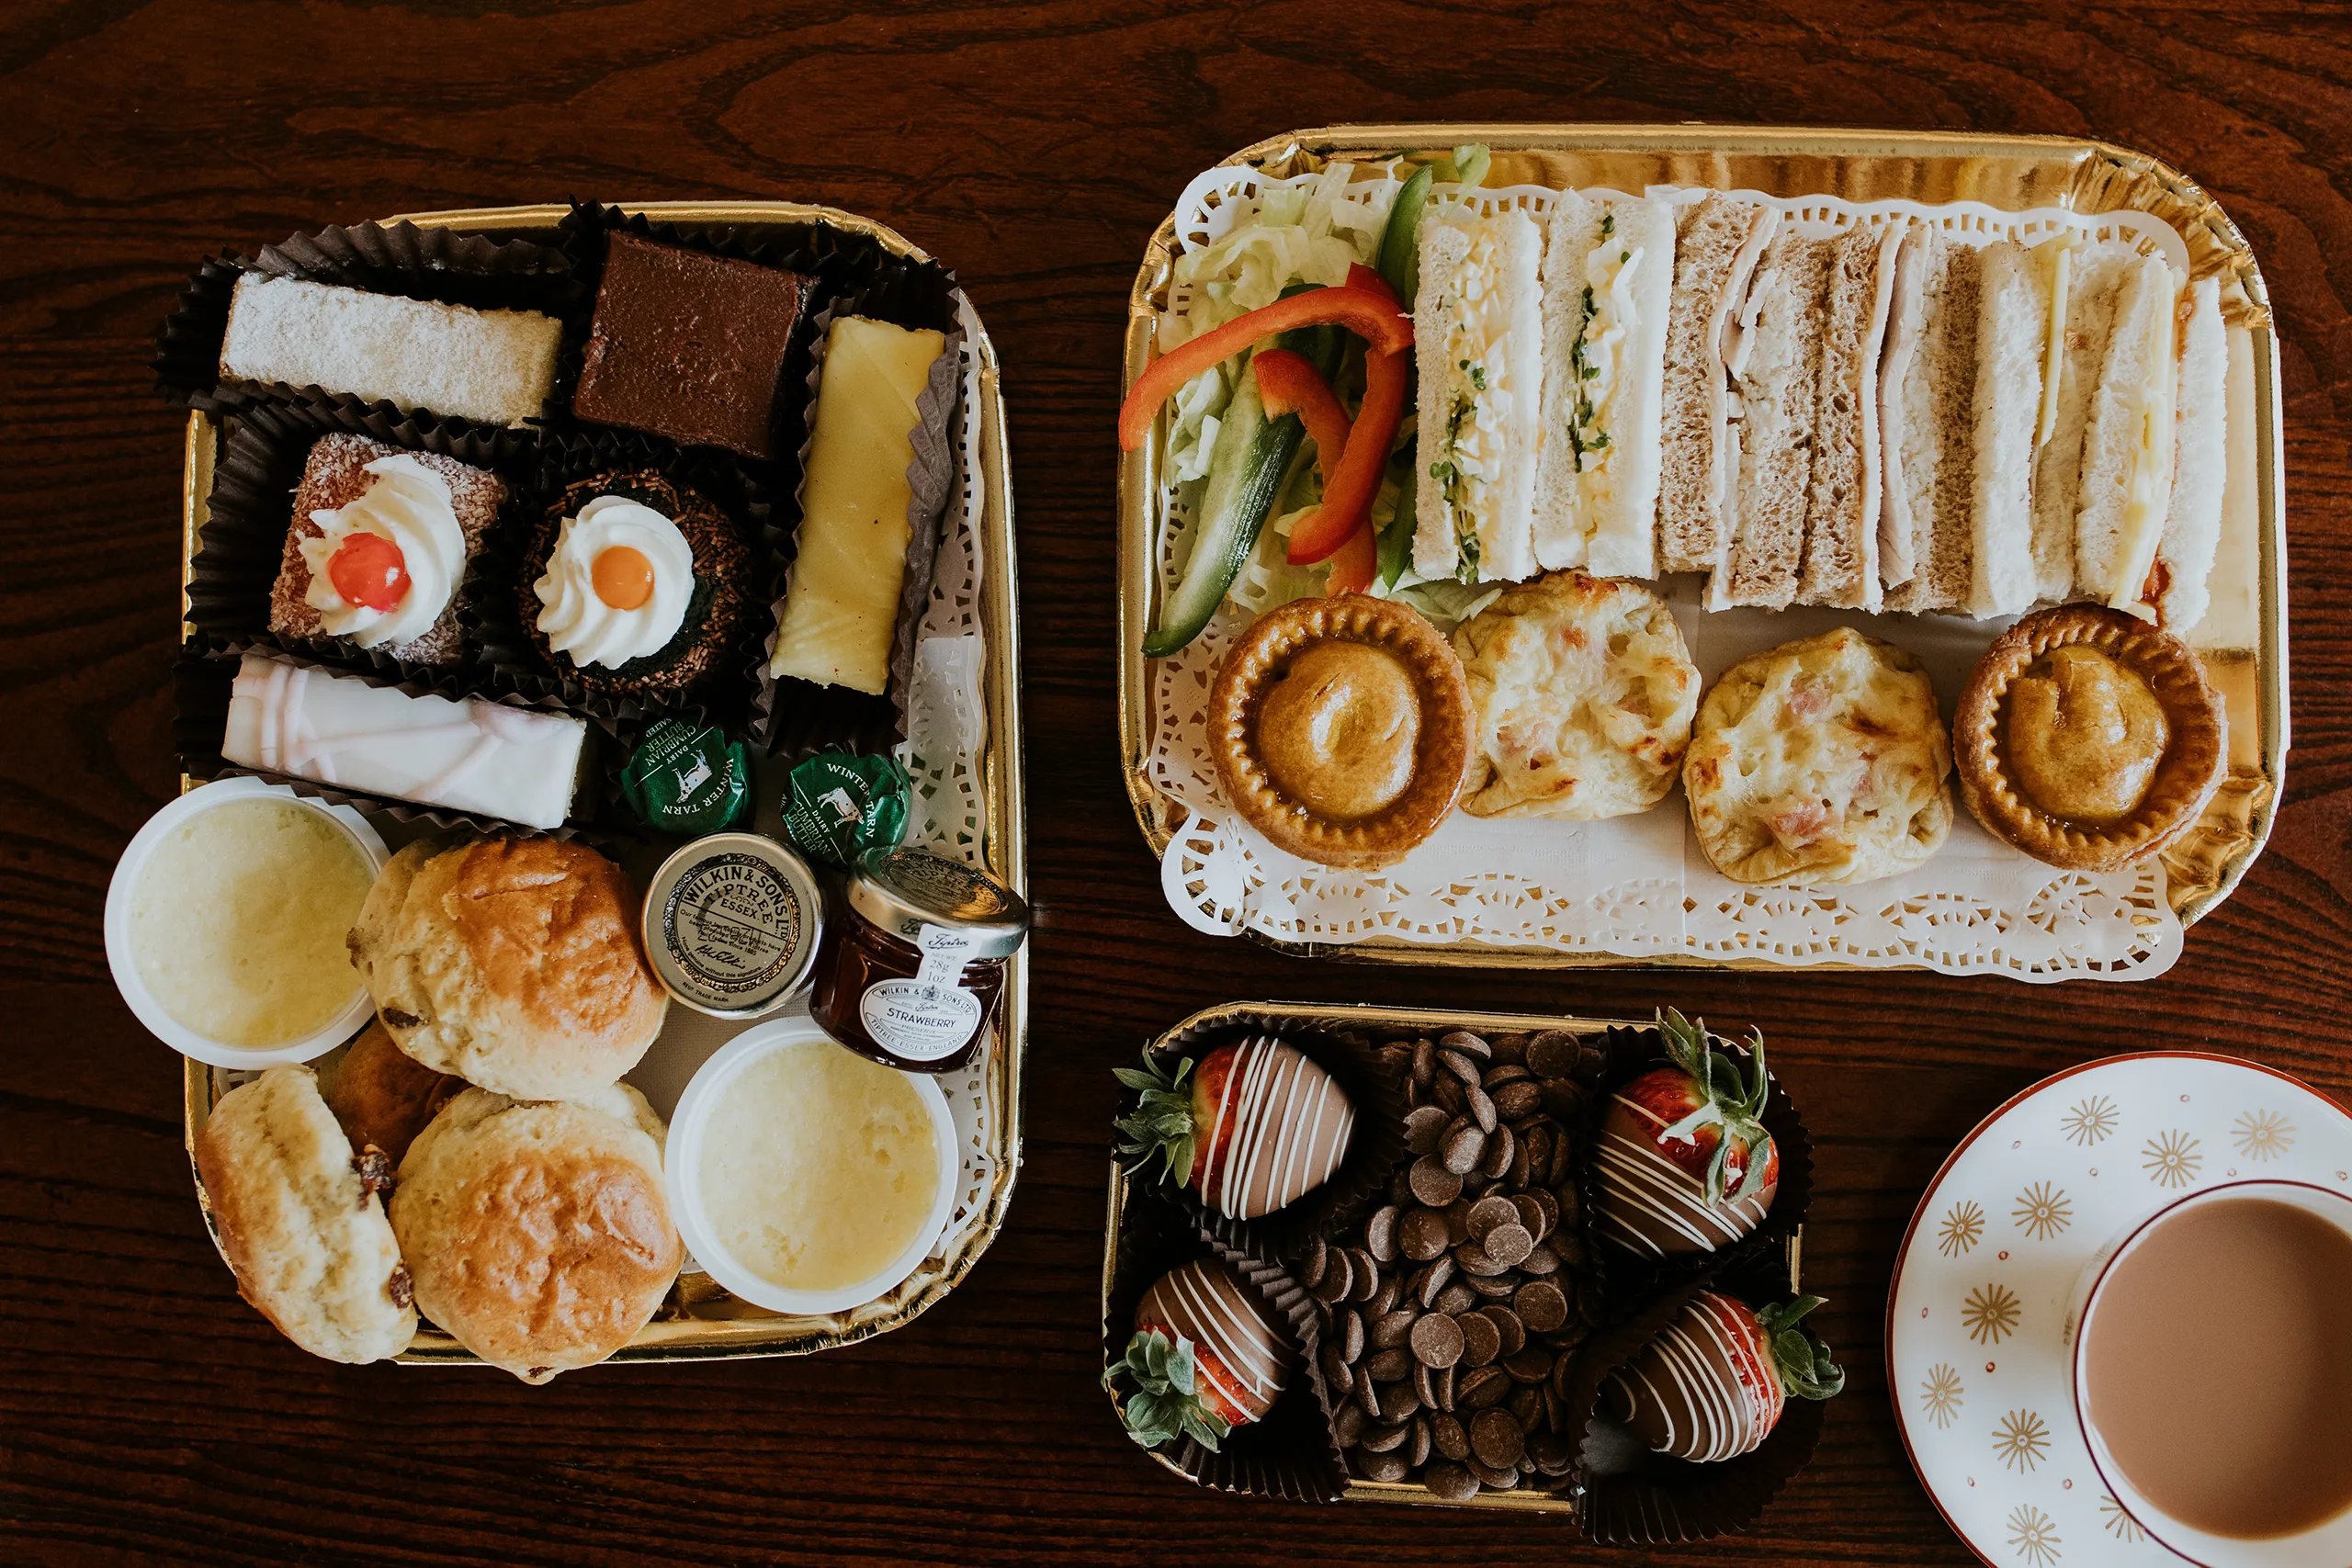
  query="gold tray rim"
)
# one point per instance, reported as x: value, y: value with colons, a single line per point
x: 1139, y: 476
x: 1003, y: 787
x: 1340, y: 1015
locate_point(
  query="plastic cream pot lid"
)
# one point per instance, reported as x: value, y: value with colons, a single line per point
x: 683, y: 1157
x: 121, y: 892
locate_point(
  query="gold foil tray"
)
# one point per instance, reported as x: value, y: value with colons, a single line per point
x: 2014, y: 173
x: 1432, y: 1022
x: 701, y: 1321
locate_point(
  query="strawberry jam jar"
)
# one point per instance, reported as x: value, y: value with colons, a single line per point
x: 910, y: 976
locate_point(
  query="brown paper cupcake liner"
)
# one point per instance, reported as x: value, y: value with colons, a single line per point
x: 442, y: 264
x: 495, y: 615
x: 205, y: 671
x: 1287, y: 1455
x: 242, y: 546
x: 1626, y: 1496
x: 792, y: 715
x: 1628, y: 1282
x: 1375, y: 1148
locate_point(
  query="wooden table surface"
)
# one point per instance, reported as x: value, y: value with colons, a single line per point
x: 146, y: 1413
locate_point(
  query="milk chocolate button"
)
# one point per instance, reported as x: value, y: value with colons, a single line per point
x: 1389, y: 1329
x: 1418, y: 1453
x: 1486, y: 1213
x: 1528, y: 1366
x: 1384, y: 1467
x: 1448, y: 1436
x: 1366, y: 1269
x: 1434, y: 1279
x: 1380, y: 1234
x: 1550, y: 1451
x: 1381, y: 1439
x: 1462, y: 1151
x: 1384, y: 1300
x: 1519, y: 1097
x: 1496, y: 1439
x: 1540, y: 1305
x: 1511, y: 1333
x: 1437, y: 1340
x: 1511, y: 1048
x: 1454, y: 1300
x: 1392, y: 1365
x: 1348, y: 1424
x: 1352, y: 1335
x: 1502, y: 1153
x: 1420, y: 1236
x: 1311, y: 1266
x: 1531, y: 1214
x: 1469, y: 1045
x: 1425, y: 1384
x: 1527, y: 1407
x: 1422, y: 1126
x: 1337, y: 1277
x: 1336, y: 1370
x: 1481, y: 1106
x: 1491, y: 1478
x: 1451, y: 1480
x: 1481, y: 1341
x: 1553, y: 1054
x: 1435, y: 1182
x: 1508, y: 1244
x: 1424, y: 1062
x: 1398, y: 1401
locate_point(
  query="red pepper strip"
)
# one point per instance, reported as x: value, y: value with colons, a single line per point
x: 1354, y: 486
x: 1368, y: 315
x: 1289, y: 383
x: 1354, y: 563
x: 1363, y: 276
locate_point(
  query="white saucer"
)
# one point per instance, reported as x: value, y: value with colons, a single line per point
x: 1977, y: 1364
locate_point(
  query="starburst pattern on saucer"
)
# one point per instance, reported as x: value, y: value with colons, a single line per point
x: 2262, y: 1135
x: 2117, y: 1523
x: 1942, y: 1395
x: 2034, y: 1534
x: 1991, y: 1313
x: 1960, y: 1229
x: 2043, y: 1211
x: 2171, y: 1158
x: 2090, y: 1121
x: 2021, y: 1440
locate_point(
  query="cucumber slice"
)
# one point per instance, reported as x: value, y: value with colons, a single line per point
x: 1400, y: 257
x: 1246, y: 470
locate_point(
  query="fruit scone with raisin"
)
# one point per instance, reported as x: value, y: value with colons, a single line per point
x: 1820, y: 761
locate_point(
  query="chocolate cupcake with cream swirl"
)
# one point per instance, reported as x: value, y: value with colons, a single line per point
x: 635, y: 585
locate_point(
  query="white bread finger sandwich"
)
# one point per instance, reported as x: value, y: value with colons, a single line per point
x: 2193, y: 527
x: 1607, y: 280
x: 1478, y: 337
x: 2012, y: 340
x: 2129, y: 442
x: 1718, y: 243
x: 1927, y: 424
x: 1774, y: 367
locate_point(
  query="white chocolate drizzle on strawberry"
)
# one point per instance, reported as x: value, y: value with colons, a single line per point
x: 1248, y: 1359
x: 1703, y: 1389
x: 1283, y: 1128
x: 1651, y: 1206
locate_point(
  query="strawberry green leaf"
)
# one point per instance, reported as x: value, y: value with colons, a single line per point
x: 1728, y: 1100
x: 1802, y: 1362
x: 1161, y: 1125
x: 1164, y: 1402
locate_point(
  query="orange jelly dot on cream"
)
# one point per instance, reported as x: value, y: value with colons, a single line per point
x: 623, y: 577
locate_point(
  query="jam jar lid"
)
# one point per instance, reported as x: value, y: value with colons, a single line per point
x: 731, y: 924
x: 904, y: 890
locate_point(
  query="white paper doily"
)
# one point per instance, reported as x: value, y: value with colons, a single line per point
x: 1638, y: 886
x: 1977, y: 1356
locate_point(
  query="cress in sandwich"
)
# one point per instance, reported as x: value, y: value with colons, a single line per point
x: 1478, y: 336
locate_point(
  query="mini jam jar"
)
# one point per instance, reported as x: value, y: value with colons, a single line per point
x: 912, y: 971
x: 732, y: 924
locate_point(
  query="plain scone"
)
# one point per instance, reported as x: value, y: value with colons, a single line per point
x: 300, y: 1223
x: 514, y: 964
x: 541, y: 1230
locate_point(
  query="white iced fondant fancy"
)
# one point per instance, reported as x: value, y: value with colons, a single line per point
x: 468, y: 756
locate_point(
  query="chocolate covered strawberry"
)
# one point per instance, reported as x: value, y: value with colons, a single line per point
x: 1683, y: 1163
x: 1256, y: 1126
x: 1713, y: 1386
x: 1207, y: 1357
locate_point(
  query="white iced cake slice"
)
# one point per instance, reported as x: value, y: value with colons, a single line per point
x: 467, y: 755
x: 491, y: 367
x: 841, y: 605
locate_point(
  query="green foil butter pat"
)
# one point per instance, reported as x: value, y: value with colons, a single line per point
x: 838, y: 807
x: 685, y: 778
